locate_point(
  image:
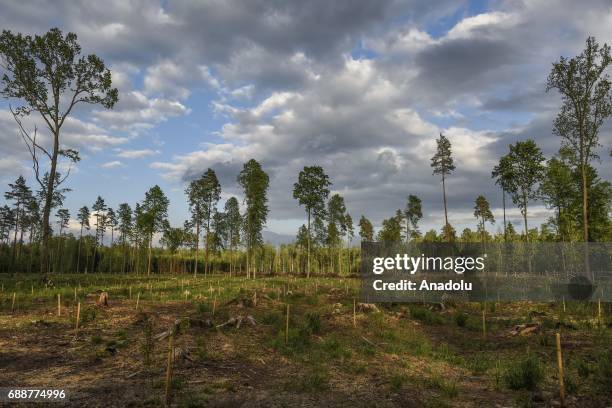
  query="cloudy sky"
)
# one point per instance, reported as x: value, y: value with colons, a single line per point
x: 361, y: 88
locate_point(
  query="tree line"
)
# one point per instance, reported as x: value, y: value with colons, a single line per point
x: 47, y: 75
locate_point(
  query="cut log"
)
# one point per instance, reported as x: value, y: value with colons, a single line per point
x: 237, y: 321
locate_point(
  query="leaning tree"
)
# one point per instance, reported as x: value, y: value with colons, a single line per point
x: 49, y: 76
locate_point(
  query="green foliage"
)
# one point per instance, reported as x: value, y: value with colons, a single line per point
x: 254, y: 182
x: 315, y: 379
x: 461, y: 319
x: 397, y: 381
x: 391, y: 231
x: 604, y: 369
x: 425, y: 315
x: 525, y: 166
x: 147, y: 344
x: 96, y: 340
x: 155, y: 209
x: 313, y: 322
x: 442, y: 162
x: 482, y: 212
x: 586, y: 91
x: 201, y: 351
x: 49, y: 75
x: 88, y: 314
x: 413, y: 214
x: 526, y: 373
x: 311, y: 190
x: 273, y: 318
x: 203, y: 308
x: 366, y: 230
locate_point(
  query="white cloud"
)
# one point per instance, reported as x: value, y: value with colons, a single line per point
x: 136, y: 112
x: 112, y: 164
x: 137, y: 154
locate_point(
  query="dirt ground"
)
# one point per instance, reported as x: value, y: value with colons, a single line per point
x: 399, y: 356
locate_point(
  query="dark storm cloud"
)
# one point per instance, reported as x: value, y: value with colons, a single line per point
x: 463, y: 65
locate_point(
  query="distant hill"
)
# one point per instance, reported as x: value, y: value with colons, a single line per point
x: 275, y: 239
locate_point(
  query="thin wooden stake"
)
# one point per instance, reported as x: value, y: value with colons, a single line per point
x: 169, y: 367
x: 13, y: 304
x: 354, y: 313
x: 130, y: 297
x: 561, y: 376
x: 287, y: 326
x: 599, y: 312
x: 214, y: 305
x: 484, y: 323
x: 563, y: 304
x: 59, y: 305
x: 137, y: 300
x: 78, y: 317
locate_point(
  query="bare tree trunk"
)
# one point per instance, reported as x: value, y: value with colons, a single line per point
x: 15, y: 239
x: 308, y: 256
x: 110, y: 250
x: 525, y: 218
x: 44, y: 257
x: 504, y: 206
x: 79, y: 250
x: 445, y: 209
x: 149, y: 255
x: 197, y: 248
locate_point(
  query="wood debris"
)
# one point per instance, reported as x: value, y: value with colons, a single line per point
x: 525, y: 329
x: 367, y: 307
x: 237, y: 321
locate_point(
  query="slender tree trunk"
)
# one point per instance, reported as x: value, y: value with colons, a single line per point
x: 60, y: 248
x: 197, y: 248
x: 79, y: 250
x: 123, y: 254
x: 149, y: 255
x: 93, y: 260
x: 445, y: 209
x: 206, y: 239
x: 15, y: 239
x: 504, y: 207
x: 86, y: 257
x: 20, y: 246
x: 585, y: 204
x: 44, y: 256
x: 308, y: 256
x: 525, y: 218
x: 31, y: 245
x: 137, y: 256
x: 110, y: 251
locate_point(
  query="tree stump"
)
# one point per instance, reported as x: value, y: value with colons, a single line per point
x: 103, y: 299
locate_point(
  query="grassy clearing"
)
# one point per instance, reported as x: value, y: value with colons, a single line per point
x: 402, y: 355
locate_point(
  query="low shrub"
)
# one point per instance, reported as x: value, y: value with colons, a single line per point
x: 461, y: 319
x: 524, y: 374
